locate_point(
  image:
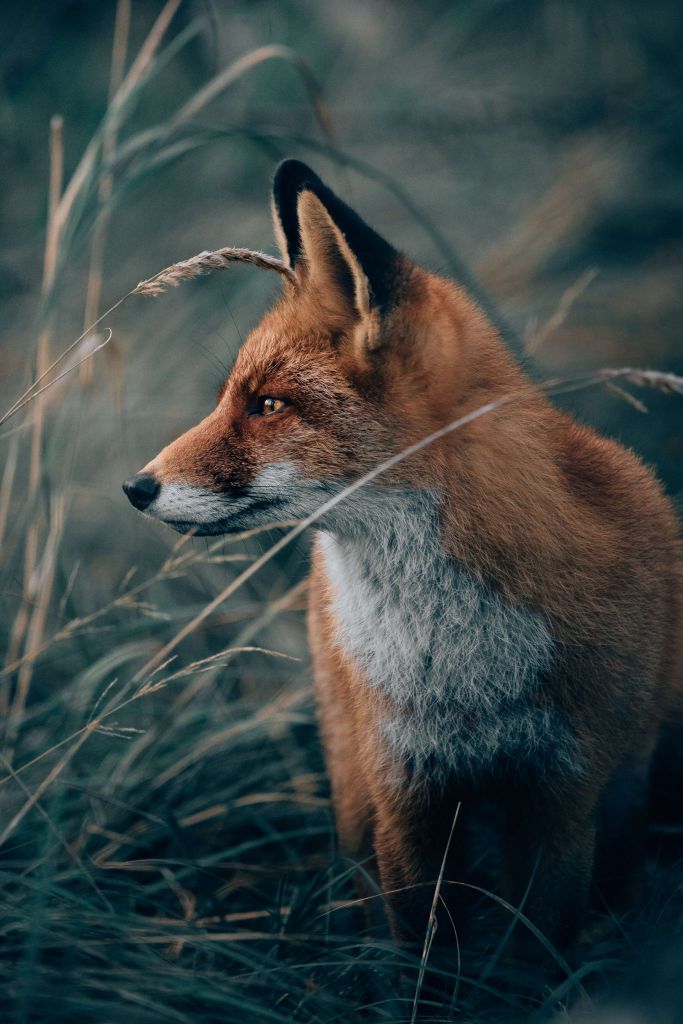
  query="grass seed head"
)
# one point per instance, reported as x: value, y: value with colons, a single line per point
x: 205, y: 263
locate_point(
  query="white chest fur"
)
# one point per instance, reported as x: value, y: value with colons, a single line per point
x: 460, y: 666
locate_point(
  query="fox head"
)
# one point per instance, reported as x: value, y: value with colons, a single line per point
x: 364, y: 354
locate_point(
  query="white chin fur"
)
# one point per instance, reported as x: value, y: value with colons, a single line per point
x: 187, y: 504
x: 274, y: 490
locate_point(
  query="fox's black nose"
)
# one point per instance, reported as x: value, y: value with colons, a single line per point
x: 142, y: 490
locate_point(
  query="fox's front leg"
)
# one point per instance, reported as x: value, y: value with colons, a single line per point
x: 549, y: 857
x: 341, y: 731
x: 622, y: 821
x: 401, y: 874
x: 416, y: 839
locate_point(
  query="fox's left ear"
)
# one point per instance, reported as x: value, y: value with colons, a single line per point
x: 332, y: 250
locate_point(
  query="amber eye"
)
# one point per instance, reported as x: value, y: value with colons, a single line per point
x: 266, y: 405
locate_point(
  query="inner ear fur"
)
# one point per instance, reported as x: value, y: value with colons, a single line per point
x: 330, y: 268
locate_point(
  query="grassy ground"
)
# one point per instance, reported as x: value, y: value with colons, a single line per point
x: 166, y: 844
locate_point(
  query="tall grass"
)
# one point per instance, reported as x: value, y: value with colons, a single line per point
x: 167, y: 850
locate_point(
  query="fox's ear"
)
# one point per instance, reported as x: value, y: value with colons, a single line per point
x: 329, y: 246
x: 330, y: 269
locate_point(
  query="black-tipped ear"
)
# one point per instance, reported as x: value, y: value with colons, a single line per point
x: 377, y: 259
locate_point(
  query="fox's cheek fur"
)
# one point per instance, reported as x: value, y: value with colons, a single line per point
x: 277, y: 492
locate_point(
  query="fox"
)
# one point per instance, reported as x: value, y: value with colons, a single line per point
x: 494, y: 620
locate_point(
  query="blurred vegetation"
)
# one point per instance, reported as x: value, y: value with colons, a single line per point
x: 167, y: 851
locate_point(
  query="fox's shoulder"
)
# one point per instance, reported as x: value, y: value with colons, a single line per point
x: 604, y: 473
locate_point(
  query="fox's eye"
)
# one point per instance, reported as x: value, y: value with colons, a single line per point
x: 266, y: 405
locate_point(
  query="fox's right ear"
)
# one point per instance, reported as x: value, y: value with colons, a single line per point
x: 323, y: 217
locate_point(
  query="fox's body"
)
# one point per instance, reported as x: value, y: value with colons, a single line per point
x: 496, y: 617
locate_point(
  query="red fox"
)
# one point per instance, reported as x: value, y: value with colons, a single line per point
x: 497, y: 618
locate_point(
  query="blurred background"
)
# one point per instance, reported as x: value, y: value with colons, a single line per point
x: 536, y: 144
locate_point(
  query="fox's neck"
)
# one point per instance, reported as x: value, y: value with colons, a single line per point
x: 428, y: 635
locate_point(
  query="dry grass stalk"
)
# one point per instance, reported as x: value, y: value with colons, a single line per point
x: 45, y: 573
x: 119, y: 46
x: 23, y: 618
x: 140, y: 65
x: 660, y: 380
x: 7, y: 484
x: 233, y: 72
x: 30, y: 393
x: 95, y: 278
x: 89, y: 344
x: 225, y: 78
x: 6, y: 487
x: 432, y: 922
x: 567, y: 300
x: 626, y: 396
x: 588, y: 171
x: 54, y: 194
x: 41, y: 591
x: 205, y: 263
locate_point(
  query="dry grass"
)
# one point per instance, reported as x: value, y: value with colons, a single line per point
x: 166, y: 845
x: 205, y: 263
